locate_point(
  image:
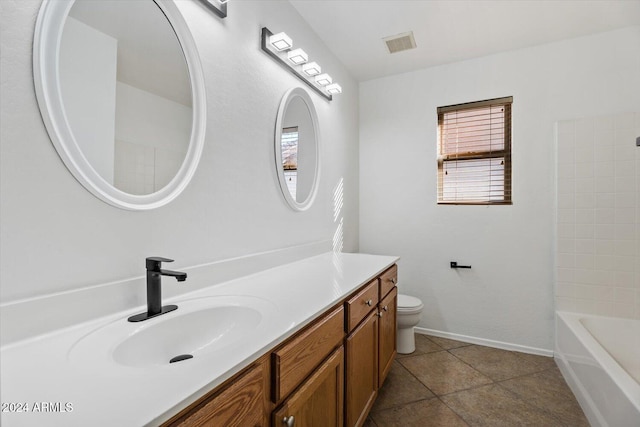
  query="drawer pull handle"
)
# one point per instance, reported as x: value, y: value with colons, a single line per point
x: 380, y: 313
x: 393, y: 280
x: 289, y: 421
x: 369, y: 302
x: 385, y: 308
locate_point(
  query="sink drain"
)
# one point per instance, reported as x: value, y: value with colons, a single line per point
x: 181, y: 358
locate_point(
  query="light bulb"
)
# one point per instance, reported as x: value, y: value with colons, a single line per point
x: 323, y: 79
x: 281, y: 41
x: 311, y: 69
x: 298, y: 56
x: 334, y: 88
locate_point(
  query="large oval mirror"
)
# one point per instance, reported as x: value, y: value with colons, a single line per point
x: 297, y: 149
x: 121, y: 92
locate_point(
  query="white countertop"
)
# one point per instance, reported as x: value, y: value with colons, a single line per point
x: 104, y: 393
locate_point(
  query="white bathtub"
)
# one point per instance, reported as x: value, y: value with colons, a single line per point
x: 600, y: 359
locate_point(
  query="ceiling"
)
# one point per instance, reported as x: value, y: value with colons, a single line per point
x: 452, y: 30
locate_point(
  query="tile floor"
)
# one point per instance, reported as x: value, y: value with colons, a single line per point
x: 452, y: 383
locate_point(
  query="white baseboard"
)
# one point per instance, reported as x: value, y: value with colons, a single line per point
x: 485, y: 342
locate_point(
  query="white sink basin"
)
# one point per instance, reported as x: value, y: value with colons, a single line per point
x: 198, y: 328
x: 190, y: 333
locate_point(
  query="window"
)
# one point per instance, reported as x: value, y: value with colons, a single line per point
x: 474, y: 152
x: 289, y: 147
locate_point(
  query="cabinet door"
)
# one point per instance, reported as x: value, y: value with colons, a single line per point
x: 362, y: 370
x: 387, y: 337
x: 319, y: 400
x: 241, y: 404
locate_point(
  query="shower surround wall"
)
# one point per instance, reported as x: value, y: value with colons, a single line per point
x: 598, y: 216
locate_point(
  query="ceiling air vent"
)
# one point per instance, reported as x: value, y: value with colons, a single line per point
x: 400, y: 42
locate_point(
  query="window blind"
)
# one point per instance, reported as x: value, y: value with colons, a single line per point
x: 474, y: 152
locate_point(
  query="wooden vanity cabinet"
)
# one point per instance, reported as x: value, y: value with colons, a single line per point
x: 371, y: 346
x: 317, y: 377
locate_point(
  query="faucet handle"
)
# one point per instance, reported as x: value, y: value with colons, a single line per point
x: 154, y: 262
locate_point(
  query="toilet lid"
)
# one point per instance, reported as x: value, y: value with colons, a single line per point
x: 406, y: 301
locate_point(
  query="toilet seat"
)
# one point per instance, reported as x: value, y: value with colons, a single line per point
x: 408, y: 304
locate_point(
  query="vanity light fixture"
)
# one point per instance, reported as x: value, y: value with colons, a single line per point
x: 281, y: 41
x: 298, y: 56
x: 276, y: 45
x: 311, y: 69
x: 219, y: 7
x: 334, y: 88
x: 324, y: 79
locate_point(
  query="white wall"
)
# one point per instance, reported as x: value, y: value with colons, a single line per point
x: 148, y: 123
x: 56, y: 236
x: 598, y: 216
x: 88, y: 69
x: 508, y: 294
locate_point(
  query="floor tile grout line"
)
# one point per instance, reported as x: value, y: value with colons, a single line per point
x: 434, y: 397
x: 517, y: 397
x: 467, y: 389
x: 523, y: 375
x: 456, y: 391
x: 514, y: 395
x: 466, y: 363
x: 552, y: 414
x: 471, y: 366
x: 454, y: 411
x: 399, y: 405
x: 417, y: 379
x: 486, y: 375
x: 453, y: 392
x: 493, y: 381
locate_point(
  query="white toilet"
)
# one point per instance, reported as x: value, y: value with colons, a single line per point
x: 409, y: 310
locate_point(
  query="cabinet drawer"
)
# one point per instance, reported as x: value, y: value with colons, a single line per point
x: 239, y: 404
x: 388, y: 280
x: 294, y: 361
x: 361, y: 304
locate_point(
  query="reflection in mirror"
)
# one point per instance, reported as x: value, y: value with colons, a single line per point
x: 121, y: 92
x: 297, y: 148
x: 126, y: 92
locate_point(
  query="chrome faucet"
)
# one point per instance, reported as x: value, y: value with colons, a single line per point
x: 154, y: 289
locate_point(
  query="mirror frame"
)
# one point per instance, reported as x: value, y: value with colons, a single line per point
x: 290, y: 95
x: 46, y: 47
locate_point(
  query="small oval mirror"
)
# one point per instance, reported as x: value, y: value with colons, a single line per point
x: 120, y: 89
x: 297, y: 149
